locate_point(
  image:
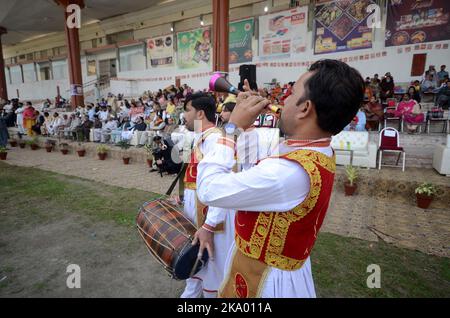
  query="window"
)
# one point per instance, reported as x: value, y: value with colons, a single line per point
x: 44, y: 71
x: 59, y: 51
x: 29, y: 73
x: 418, y: 64
x: 44, y: 54
x: 132, y: 58
x: 92, y: 68
x: 16, y: 74
x: 7, y: 77
x: 30, y: 56
x: 59, y: 69
x: 119, y: 37
x: 63, y: 50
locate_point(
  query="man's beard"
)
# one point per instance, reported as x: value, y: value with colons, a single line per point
x: 221, y: 122
x: 188, y: 126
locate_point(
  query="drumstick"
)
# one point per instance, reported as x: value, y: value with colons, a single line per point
x: 199, y: 257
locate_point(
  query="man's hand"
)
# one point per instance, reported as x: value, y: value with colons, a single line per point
x: 247, y: 109
x: 206, y: 239
x: 247, y: 88
x: 175, y: 199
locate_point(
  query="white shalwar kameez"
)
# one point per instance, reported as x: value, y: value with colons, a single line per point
x: 274, y: 185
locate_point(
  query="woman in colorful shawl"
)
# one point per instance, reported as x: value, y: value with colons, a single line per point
x: 29, y: 118
x: 374, y: 113
x: 411, y: 112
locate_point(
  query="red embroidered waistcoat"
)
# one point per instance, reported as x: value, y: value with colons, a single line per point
x: 190, y: 177
x: 285, y: 239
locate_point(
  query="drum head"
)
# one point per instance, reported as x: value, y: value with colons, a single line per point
x: 184, y: 264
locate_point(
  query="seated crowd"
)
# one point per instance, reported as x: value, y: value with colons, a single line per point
x: 380, y: 100
x: 160, y: 113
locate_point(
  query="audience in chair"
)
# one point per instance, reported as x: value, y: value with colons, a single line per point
x: 358, y: 123
x: 374, y: 113
x: 411, y: 113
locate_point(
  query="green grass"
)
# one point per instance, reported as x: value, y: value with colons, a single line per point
x: 340, y: 269
x: 48, y: 195
x: 32, y: 196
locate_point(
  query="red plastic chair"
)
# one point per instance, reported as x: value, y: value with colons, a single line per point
x: 389, y: 113
x: 390, y: 142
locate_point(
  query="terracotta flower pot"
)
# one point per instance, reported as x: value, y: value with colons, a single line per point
x: 423, y: 201
x: 13, y: 143
x: 150, y: 162
x: 101, y: 156
x: 349, y: 190
x: 34, y: 147
x: 126, y: 161
x: 3, y: 155
x: 48, y: 148
x: 22, y: 146
x: 81, y: 153
x: 65, y: 151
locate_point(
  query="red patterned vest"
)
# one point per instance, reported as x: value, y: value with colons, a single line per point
x: 285, y: 239
x: 190, y: 177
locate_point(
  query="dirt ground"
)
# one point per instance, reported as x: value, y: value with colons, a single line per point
x: 39, y: 238
x: 115, y: 265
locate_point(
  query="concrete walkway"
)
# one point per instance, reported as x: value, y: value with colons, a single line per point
x: 111, y: 171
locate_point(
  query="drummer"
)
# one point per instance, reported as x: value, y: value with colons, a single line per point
x: 200, y: 111
x: 282, y: 201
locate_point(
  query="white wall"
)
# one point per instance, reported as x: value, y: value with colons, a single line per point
x: 40, y: 90
x: 399, y: 64
x: 135, y: 82
x: 35, y: 91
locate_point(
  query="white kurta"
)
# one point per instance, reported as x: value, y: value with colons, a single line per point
x: 274, y: 185
x: 208, y: 280
x: 255, y: 145
x: 19, y: 119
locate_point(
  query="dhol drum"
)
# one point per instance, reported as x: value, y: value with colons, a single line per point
x: 168, y: 235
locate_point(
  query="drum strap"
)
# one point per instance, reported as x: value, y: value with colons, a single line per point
x: 180, y: 176
x: 201, y: 212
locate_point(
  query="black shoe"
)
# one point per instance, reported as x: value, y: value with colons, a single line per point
x: 153, y: 170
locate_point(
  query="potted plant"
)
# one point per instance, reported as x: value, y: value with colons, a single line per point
x: 3, y: 153
x: 49, y: 145
x: 102, y: 152
x: 64, y: 147
x: 424, y: 194
x: 81, y: 150
x: 33, y: 142
x: 352, y: 175
x: 22, y: 142
x: 125, y: 145
x: 13, y: 143
x: 149, y: 150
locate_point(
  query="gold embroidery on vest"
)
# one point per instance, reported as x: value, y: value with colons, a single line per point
x: 198, y: 156
x: 319, y: 158
x: 253, y: 248
x: 281, y: 221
